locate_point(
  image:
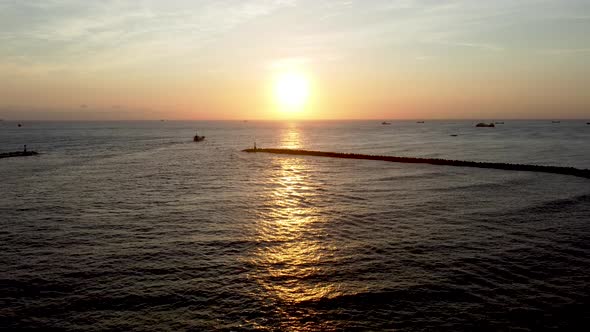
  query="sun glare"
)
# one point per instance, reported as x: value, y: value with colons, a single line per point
x: 291, y: 91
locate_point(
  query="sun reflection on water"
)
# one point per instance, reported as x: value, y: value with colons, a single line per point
x: 294, y: 251
x: 291, y: 231
x: 291, y: 138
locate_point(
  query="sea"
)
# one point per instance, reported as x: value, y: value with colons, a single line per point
x: 132, y: 226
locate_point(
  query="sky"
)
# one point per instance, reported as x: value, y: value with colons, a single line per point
x: 365, y: 59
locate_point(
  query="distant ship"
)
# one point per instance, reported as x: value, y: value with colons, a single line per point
x: 385, y: 123
x: 419, y: 121
x: 198, y: 138
x: 481, y: 124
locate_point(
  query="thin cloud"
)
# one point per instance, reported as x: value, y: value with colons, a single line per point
x: 96, y: 33
x: 288, y: 63
x: 479, y: 46
x: 560, y: 51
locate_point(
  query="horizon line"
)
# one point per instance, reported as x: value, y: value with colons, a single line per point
x: 295, y: 119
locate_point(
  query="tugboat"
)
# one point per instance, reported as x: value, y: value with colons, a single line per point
x: 198, y: 138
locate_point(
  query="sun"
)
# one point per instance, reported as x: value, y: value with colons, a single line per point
x: 291, y: 91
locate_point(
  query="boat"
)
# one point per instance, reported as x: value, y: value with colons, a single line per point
x: 499, y: 122
x: 385, y: 123
x: 419, y: 121
x: 481, y: 124
x: 198, y: 138
x: 555, y: 121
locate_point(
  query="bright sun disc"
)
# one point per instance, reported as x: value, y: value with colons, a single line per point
x: 291, y: 91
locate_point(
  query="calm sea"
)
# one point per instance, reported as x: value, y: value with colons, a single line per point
x: 132, y: 226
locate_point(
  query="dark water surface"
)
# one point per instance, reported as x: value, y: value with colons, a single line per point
x: 131, y: 226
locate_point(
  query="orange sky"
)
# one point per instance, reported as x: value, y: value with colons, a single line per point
x: 406, y: 59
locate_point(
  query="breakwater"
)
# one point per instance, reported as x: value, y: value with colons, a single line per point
x: 18, y: 154
x: 585, y: 173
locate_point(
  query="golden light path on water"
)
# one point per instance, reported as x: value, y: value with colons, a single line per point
x: 293, y: 226
x: 291, y: 139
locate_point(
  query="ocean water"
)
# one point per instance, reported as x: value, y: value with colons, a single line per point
x: 131, y: 226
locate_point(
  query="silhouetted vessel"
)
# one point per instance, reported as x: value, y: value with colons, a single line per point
x: 481, y: 124
x: 198, y: 138
x: 419, y: 121
x: 555, y: 121
x: 385, y: 123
